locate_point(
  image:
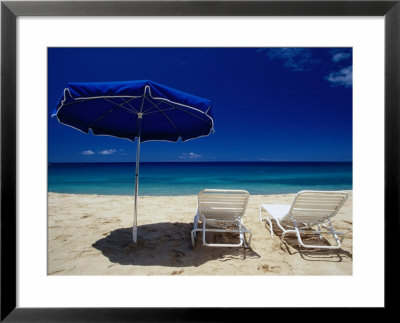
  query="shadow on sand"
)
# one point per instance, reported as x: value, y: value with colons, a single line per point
x: 292, y: 247
x: 314, y: 254
x: 167, y: 244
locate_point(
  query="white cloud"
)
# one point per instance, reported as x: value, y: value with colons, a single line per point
x: 88, y: 152
x: 107, y: 152
x: 340, y: 56
x: 344, y: 77
x: 296, y: 59
x: 189, y: 156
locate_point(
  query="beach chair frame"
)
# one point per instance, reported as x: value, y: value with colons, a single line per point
x: 290, y: 225
x: 225, y: 214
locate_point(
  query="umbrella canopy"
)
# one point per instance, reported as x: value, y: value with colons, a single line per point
x: 135, y: 110
x: 112, y: 108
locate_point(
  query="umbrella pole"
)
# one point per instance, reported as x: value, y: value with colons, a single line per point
x: 134, y: 228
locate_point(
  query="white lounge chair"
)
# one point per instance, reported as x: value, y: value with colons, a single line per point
x: 223, y: 209
x: 309, y: 209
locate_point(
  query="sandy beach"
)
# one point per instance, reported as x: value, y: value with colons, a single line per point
x: 91, y: 235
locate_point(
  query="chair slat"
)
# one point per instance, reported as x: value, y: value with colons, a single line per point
x: 315, y: 206
x: 312, y: 199
x: 223, y: 200
x: 220, y: 210
x: 205, y: 203
x: 221, y: 196
x: 221, y: 205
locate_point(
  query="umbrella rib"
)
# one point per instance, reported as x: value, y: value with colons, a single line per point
x: 179, y: 108
x: 74, y: 102
x: 176, y: 105
x: 101, y: 116
x: 173, y: 107
x: 120, y: 105
x: 165, y: 115
x: 127, y: 102
x: 107, y: 99
x: 157, y: 111
x: 109, y: 111
x: 154, y: 105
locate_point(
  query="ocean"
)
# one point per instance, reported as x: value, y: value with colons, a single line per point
x: 188, y: 178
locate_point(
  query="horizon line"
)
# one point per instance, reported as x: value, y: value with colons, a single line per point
x: 211, y: 161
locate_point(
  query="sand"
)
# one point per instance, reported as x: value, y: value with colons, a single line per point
x: 91, y: 235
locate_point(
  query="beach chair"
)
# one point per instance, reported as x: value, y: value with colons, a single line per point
x: 309, y: 209
x: 221, y: 211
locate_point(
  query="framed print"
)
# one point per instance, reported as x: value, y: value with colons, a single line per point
x: 244, y: 105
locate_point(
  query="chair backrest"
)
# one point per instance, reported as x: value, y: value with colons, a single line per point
x: 223, y: 204
x: 316, y: 206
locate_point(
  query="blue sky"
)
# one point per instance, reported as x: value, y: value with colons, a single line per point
x: 269, y: 104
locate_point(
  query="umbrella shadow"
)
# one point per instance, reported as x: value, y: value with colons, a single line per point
x: 166, y: 244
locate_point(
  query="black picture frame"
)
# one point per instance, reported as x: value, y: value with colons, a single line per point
x: 10, y: 10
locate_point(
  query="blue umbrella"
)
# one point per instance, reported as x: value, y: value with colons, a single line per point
x: 144, y: 110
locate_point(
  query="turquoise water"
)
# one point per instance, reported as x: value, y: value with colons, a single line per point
x: 190, y: 178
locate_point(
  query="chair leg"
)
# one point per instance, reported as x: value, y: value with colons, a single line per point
x: 242, y: 232
x: 204, y: 231
x: 283, y: 235
x: 319, y: 246
x: 270, y: 227
x: 241, y: 236
x: 335, y: 234
x: 320, y: 235
x: 260, y: 215
x: 298, y: 234
x: 266, y: 219
x: 249, y: 239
